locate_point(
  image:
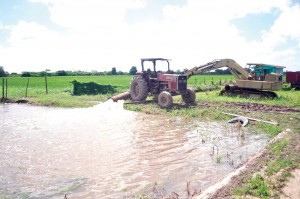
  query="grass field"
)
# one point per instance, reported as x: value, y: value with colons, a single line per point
x: 60, y: 88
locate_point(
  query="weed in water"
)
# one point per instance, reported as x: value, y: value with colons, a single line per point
x: 218, y: 159
x: 141, y: 197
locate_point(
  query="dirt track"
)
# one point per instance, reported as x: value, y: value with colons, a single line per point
x: 251, y: 107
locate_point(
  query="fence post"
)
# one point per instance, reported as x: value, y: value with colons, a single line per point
x: 3, y: 88
x: 6, y: 88
x: 27, y: 87
x: 46, y: 84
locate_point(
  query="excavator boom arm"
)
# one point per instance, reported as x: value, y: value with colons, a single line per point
x: 237, y: 71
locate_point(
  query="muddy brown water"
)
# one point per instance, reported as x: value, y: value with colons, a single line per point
x: 108, y: 152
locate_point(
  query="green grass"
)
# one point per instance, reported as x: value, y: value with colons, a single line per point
x: 256, y: 186
x: 60, y: 89
x: 270, y: 129
x: 209, y: 79
x: 285, y: 98
x: 281, y: 159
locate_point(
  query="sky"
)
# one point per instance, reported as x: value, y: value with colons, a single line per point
x: 36, y: 35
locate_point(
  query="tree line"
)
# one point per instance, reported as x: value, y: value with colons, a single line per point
x: 113, y: 71
x: 47, y: 72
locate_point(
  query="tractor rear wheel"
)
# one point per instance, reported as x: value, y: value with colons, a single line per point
x: 189, y: 96
x: 165, y: 99
x: 138, y: 89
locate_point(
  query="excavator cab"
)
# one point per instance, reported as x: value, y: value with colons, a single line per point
x: 266, y: 72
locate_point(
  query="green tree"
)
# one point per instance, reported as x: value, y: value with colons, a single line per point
x: 2, y: 72
x: 114, y: 71
x: 61, y: 73
x: 120, y: 73
x: 133, y: 70
x: 149, y: 70
x: 26, y: 74
x: 178, y: 72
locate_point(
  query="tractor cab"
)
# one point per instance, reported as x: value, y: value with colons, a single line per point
x: 157, y: 68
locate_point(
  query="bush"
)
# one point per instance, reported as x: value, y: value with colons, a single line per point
x: 25, y: 74
x: 91, y: 88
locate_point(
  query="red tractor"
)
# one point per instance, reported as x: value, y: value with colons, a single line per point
x: 161, y: 85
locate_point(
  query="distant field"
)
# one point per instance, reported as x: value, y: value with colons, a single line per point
x: 17, y: 85
x: 62, y: 83
x: 60, y: 89
x: 201, y: 79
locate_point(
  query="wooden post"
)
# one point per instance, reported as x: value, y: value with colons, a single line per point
x: 6, y: 88
x: 3, y: 88
x: 46, y: 84
x: 27, y: 87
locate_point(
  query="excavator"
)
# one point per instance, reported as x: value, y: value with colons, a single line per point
x: 247, y: 84
x: 165, y: 85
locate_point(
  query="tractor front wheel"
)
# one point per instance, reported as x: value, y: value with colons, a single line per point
x: 189, y: 96
x: 138, y: 89
x: 165, y: 99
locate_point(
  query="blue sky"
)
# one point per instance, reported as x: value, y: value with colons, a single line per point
x: 101, y: 34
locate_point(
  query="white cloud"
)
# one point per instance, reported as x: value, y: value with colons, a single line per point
x: 89, y: 13
x: 97, y: 36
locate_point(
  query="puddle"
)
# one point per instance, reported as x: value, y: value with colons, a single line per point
x: 108, y: 152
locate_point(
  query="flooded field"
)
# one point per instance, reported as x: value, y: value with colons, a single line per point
x: 108, y: 152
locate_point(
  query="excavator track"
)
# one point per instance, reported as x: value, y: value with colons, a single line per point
x: 248, y: 93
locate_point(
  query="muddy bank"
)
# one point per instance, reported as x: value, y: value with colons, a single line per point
x: 11, y: 101
x: 257, y: 164
x: 249, y: 107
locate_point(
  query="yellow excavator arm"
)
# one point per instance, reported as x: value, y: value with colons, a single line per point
x: 237, y: 71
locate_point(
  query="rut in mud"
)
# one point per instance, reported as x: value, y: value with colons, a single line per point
x: 251, y: 107
x: 108, y: 152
